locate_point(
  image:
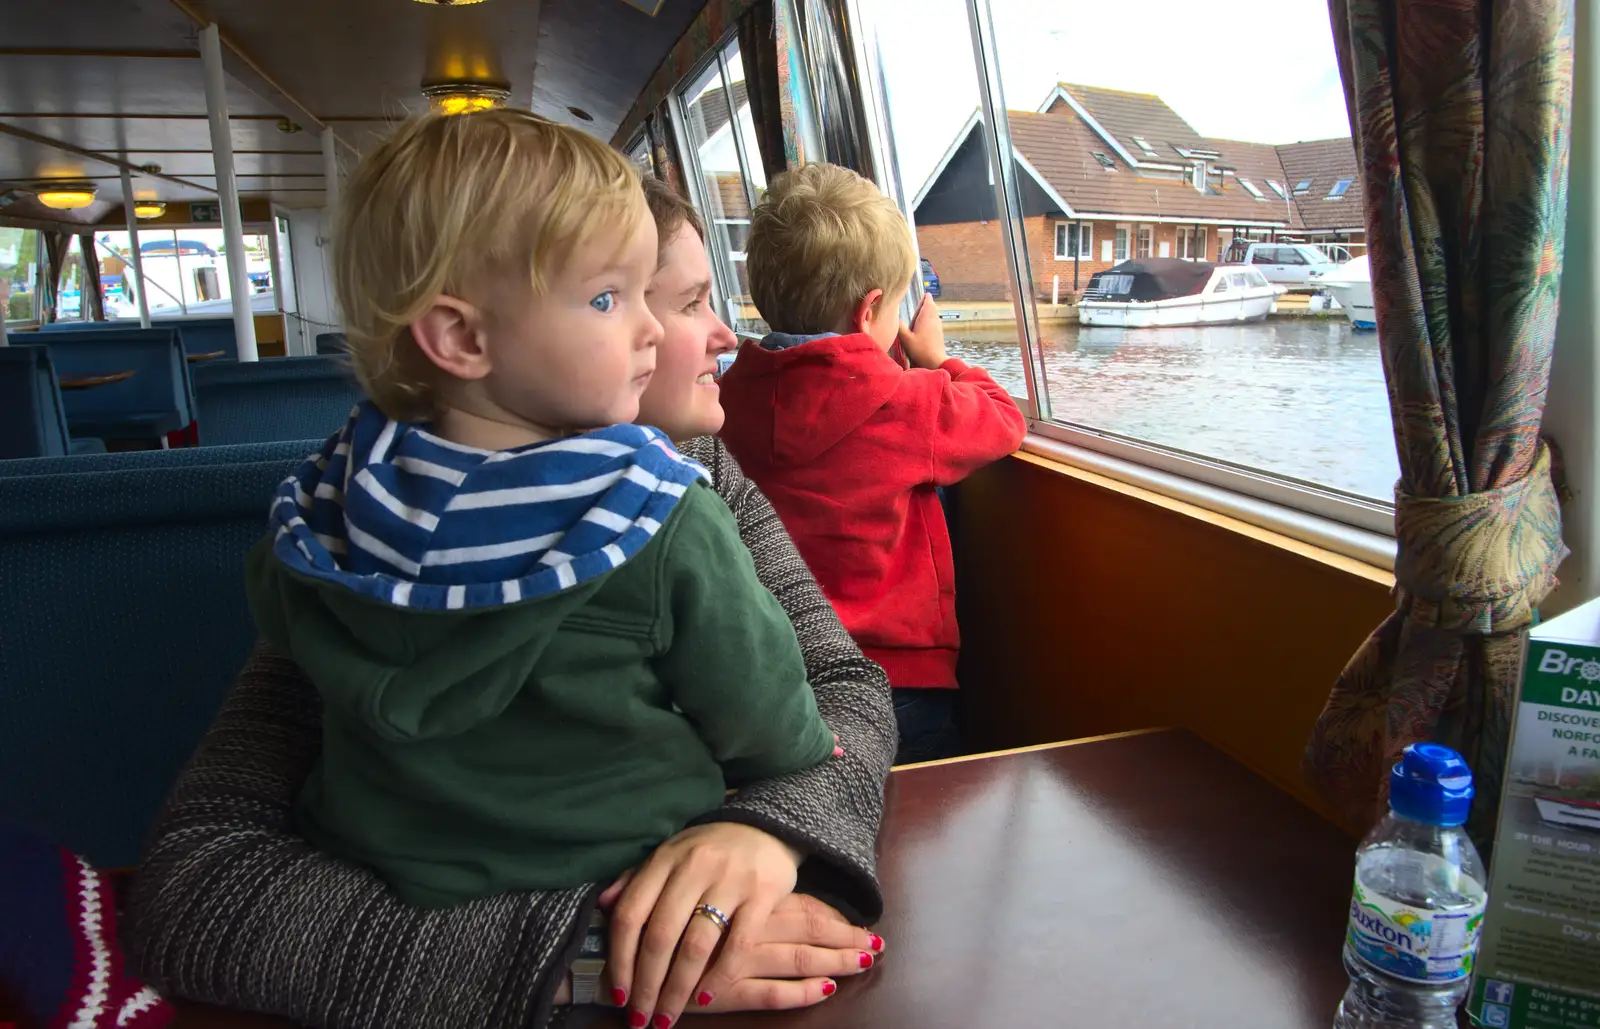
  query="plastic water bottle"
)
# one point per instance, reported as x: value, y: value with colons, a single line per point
x: 1417, y: 909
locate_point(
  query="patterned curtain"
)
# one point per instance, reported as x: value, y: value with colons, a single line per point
x: 55, y: 256
x: 763, y: 61
x: 92, y: 294
x: 664, y: 151
x: 1462, y: 111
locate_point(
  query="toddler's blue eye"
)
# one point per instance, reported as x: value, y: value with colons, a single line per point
x: 604, y: 302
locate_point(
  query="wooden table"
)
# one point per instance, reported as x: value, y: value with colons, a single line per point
x: 91, y: 381
x: 1141, y: 881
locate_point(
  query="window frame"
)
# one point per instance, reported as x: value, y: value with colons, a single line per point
x: 1144, y: 240
x: 1358, y: 526
x: 724, y: 278
x: 38, y: 279
x: 1085, y: 241
x: 267, y: 230
x: 1122, y: 246
x: 1340, y: 188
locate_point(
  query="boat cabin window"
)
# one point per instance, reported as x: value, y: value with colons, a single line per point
x: 1334, y: 438
x: 19, y: 274
x: 1254, y: 278
x: 729, y: 178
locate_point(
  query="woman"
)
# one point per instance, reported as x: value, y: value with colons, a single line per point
x: 232, y: 908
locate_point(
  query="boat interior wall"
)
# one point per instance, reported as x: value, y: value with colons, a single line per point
x: 1090, y: 607
x: 95, y: 85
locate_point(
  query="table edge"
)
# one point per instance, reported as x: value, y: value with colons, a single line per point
x: 1034, y: 748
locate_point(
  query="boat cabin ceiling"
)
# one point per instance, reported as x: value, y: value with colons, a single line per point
x: 92, y: 86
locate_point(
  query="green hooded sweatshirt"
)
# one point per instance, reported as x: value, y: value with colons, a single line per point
x: 523, y: 731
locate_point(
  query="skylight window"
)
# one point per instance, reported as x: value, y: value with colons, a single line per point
x: 1250, y: 187
x: 1105, y: 162
x: 1339, y: 188
x: 1277, y: 187
x: 1303, y: 186
x: 1144, y: 145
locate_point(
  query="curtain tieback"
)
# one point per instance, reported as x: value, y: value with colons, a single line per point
x: 1483, y: 562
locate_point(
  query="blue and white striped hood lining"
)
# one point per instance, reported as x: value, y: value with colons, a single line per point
x: 388, y: 510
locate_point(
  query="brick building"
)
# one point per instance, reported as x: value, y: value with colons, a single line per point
x: 1106, y: 175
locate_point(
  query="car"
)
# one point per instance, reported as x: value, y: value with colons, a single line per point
x: 1296, y: 265
x: 930, y: 279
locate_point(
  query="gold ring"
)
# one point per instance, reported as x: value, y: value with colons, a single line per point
x: 722, y: 920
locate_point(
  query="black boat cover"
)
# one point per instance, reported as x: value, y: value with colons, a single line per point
x: 1149, y: 278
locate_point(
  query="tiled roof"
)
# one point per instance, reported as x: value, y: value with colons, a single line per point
x: 1324, y: 162
x: 1062, y: 147
x: 1126, y: 115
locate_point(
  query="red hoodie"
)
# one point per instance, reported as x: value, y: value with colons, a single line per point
x: 848, y: 446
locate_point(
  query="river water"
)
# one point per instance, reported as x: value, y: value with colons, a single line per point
x: 1299, y: 397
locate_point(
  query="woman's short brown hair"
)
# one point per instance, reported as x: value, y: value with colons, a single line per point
x: 670, y: 211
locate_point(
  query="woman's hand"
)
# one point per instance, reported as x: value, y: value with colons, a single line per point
x: 806, y: 947
x: 739, y: 870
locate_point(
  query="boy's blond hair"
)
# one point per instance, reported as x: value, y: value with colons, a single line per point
x: 459, y: 205
x: 820, y: 240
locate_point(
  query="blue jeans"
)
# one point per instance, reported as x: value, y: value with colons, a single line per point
x: 927, y: 721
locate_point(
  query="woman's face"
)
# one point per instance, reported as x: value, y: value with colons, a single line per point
x: 682, y: 398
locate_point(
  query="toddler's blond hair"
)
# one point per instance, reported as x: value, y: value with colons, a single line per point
x: 459, y: 205
x: 821, y: 239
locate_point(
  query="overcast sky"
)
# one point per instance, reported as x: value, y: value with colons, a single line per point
x: 1258, y: 70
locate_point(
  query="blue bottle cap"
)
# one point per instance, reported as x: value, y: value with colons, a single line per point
x: 1431, y: 784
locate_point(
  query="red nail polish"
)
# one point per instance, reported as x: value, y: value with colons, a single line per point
x: 866, y: 960
x: 662, y: 1022
x: 877, y: 942
x: 703, y: 999
x: 619, y: 996
x: 828, y: 988
x: 638, y: 1020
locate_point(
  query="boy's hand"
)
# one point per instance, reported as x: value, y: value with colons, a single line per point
x: 923, y: 341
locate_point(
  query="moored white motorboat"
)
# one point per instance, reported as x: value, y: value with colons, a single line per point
x: 1351, y: 285
x: 1164, y: 292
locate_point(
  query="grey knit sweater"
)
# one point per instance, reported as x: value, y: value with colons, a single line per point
x: 231, y: 908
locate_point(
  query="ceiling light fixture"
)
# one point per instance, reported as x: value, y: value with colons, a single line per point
x: 580, y: 114
x: 148, y: 209
x: 465, y: 97
x: 66, y: 196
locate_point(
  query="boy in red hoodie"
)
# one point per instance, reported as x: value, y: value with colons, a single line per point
x: 849, y: 445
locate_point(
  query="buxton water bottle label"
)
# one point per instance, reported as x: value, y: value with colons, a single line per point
x: 1419, y: 945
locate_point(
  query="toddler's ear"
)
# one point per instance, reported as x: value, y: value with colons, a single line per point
x: 451, y: 334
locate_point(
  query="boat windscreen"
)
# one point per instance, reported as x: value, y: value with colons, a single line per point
x: 1151, y: 278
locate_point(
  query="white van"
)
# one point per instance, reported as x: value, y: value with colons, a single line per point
x: 1288, y: 264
